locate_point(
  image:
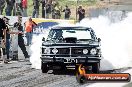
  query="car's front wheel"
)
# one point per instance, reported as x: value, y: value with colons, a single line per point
x: 95, y: 67
x: 44, y: 67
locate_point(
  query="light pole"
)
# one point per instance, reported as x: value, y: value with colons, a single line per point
x: 45, y: 7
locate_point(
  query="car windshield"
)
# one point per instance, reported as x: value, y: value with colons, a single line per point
x: 80, y: 34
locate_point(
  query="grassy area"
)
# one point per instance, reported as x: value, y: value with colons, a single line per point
x: 71, y: 3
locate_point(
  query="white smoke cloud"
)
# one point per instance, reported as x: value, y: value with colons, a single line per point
x: 116, y: 42
x: 36, y: 50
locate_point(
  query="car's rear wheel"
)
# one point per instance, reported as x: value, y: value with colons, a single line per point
x: 44, y: 67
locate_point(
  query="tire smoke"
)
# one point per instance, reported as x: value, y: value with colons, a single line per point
x: 116, y: 42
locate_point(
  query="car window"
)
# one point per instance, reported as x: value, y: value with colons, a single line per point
x: 80, y: 34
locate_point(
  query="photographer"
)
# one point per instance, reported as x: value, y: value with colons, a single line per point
x: 81, y: 13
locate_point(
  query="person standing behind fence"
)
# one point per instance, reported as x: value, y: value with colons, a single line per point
x: 29, y: 30
x: 57, y: 10
x: 81, y: 13
x: 18, y: 10
x: 48, y: 10
x: 67, y: 12
x: 9, y: 7
x: 2, y: 5
x: 36, y: 4
x: 43, y: 8
x: 24, y: 6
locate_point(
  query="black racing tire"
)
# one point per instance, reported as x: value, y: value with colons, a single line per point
x: 44, y: 67
x: 63, y: 67
x: 95, y: 67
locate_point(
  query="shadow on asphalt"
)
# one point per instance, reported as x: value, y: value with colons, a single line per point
x: 73, y: 72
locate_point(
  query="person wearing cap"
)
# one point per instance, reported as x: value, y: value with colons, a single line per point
x: 81, y: 13
x: 8, y: 32
x: 21, y: 44
x: 7, y: 45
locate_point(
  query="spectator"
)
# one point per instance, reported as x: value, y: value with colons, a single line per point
x: 20, y: 37
x: 48, y: 9
x: 44, y: 2
x: 56, y: 10
x: 54, y: 3
x: 36, y: 9
x: 81, y: 13
x: 7, y: 46
x: 2, y: 37
x: 2, y: 5
x: 67, y: 12
x: 18, y: 8
x: 9, y: 8
x: 29, y: 30
x: 24, y: 6
x: 8, y: 32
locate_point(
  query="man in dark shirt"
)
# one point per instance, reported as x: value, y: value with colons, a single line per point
x: 43, y: 8
x: 81, y: 13
x: 7, y: 46
x: 20, y: 37
x: 67, y: 12
x: 9, y: 8
x: 2, y: 31
x: 2, y: 37
x: 2, y: 27
x: 2, y: 5
x: 36, y: 8
x: 48, y: 10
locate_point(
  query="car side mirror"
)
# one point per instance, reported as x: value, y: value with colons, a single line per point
x: 99, y: 39
x: 43, y: 39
